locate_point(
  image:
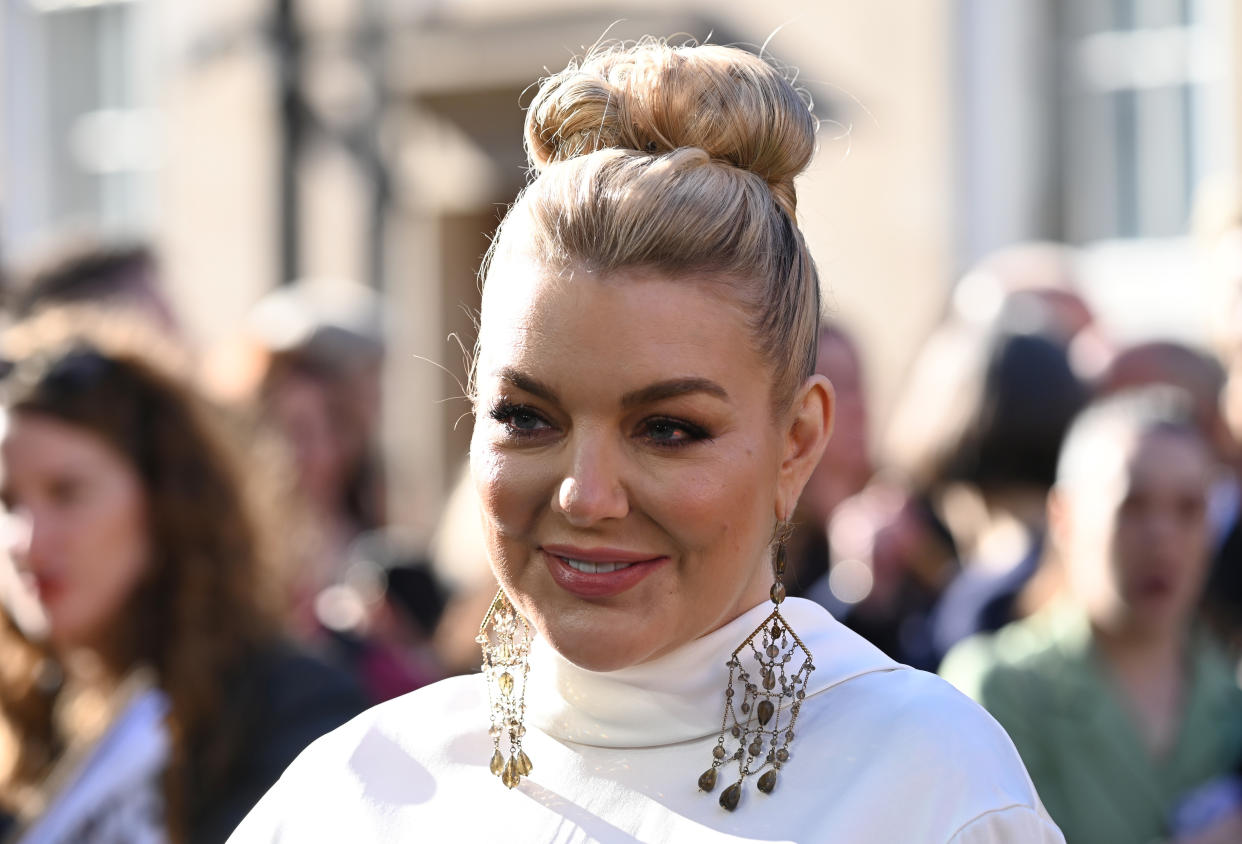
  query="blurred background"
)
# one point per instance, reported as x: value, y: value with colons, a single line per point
x: 255, y: 142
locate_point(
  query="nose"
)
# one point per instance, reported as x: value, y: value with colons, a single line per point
x: 19, y: 534
x: 592, y: 490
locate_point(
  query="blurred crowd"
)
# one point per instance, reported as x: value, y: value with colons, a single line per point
x: 204, y: 575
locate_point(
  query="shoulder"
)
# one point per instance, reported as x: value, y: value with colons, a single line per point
x: 280, y: 700
x: 1011, y: 823
x: 444, y: 709
x: 292, y: 685
x: 932, y: 720
x: 926, y: 746
x: 1024, y: 656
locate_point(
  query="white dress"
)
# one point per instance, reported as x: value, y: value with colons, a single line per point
x: 882, y: 753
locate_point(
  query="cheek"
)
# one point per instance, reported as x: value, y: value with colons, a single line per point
x: 512, y: 490
x: 1095, y: 554
x: 720, y: 514
x: 110, y: 555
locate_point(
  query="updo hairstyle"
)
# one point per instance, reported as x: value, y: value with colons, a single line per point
x: 681, y: 161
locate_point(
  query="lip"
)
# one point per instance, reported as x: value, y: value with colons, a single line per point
x: 1153, y: 587
x: 604, y: 584
x: 48, y: 588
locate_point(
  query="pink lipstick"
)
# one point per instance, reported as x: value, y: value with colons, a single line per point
x: 598, y: 572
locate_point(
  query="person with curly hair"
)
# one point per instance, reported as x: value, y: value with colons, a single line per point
x: 146, y: 693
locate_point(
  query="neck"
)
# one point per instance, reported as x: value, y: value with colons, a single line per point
x: 1150, y: 672
x: 1146, y: 650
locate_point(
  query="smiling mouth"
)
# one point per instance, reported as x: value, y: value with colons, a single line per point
x: 606, y: 573
x: 594, y: 568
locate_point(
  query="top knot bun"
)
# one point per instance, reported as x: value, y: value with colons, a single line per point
x: 654, y: 98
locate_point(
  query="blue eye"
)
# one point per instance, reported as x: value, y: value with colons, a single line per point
x: 525, y: 420
x: 671, y: 432
x: 518, y: 419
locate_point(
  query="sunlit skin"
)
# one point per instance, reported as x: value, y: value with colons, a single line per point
x: 1136, y: 538
x: 630, y: 418
x: 76, y: 526
x: 846, y: 464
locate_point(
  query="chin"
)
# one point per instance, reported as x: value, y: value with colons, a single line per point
x: 596, y: 651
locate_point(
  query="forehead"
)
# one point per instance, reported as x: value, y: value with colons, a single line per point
x: 40, y: 441
x: 1169, y: 458
x: 1123, y: 462
x: 624, y: 325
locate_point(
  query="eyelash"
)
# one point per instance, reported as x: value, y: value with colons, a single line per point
x: 504, y: 413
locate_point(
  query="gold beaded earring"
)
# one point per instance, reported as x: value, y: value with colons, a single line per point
x: 762, y: 678
x: 505, y: 638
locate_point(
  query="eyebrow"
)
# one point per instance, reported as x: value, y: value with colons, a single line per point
x: 655, y: 392
x: 673, y: 389
x: 527, y: 384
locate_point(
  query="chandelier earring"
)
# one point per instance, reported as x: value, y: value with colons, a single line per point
x: 768, y: 676
x: 505, y: 637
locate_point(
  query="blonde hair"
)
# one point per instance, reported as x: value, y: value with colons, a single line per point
x: 677, y: 160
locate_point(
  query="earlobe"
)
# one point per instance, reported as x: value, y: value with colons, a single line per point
x: 809, y: 428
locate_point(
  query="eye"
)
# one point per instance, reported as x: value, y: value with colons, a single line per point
x: 518, y: 419
x: 65, y: 491
x: 665, y: 431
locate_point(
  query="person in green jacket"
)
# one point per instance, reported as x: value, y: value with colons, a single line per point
x: 1121, y: 707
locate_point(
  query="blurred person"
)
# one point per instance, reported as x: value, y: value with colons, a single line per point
x: 977, y: 433
x: 1218, y: 230
x: 155, y: 699
x: 891, y: 559
x: 846, y: 466
x: 1120, y: 706
x: 1198, y: 374
x: 320, y: 387
x: 1030, y: 288
x: 459, y: 560
x: 995, y: 478
x: 359, y: 595
x: 84, y: 270
x: 1203, y: 378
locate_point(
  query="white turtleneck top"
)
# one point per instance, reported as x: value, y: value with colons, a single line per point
x: 882, y: 753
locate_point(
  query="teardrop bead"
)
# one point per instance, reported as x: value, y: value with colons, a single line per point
x: 506, y: 683
x: 765, y: 711
x: 730, y: 796
x: 511, y: 777
x: 524, y: 765
x: 707, y: 780
x: 767, y: 782
x: 497, y: 764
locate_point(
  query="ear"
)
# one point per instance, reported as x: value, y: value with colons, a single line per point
x: 808, y: 426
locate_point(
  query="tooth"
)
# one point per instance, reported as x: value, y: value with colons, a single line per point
x: 594, y: 568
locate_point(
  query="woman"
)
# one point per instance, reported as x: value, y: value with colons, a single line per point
x: 157, y: 701
x: 647, y: 415
x: 1120, y: 708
